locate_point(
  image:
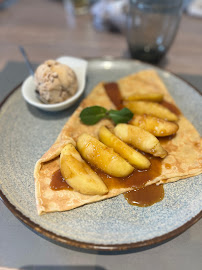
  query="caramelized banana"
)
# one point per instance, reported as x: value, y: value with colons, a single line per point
x: 78, y: 174
x: 140, y: 139
x: 131, y: 155
x: 155, y: 97
x: 102, y: 156
x: 156, y: 126
x: 155, y: 109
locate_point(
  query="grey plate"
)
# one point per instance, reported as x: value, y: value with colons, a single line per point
x: 26, y: 133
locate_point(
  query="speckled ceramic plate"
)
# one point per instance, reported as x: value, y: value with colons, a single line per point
x: 26, y: 133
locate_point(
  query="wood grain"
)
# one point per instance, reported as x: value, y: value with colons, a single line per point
x: 47, y: 31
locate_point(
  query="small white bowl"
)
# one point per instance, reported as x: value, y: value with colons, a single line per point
x: 78, y: 65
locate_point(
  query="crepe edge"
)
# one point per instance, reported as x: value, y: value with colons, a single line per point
x: 53, y: 152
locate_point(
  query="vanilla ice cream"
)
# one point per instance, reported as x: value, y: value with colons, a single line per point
x: 55, y: 82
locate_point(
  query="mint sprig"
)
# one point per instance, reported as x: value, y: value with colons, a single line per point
x: 122, y: 116
x: 92, y: 115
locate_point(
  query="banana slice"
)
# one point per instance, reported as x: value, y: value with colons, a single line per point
x: 155, y: 97
x: 156, y: 126
x: 131, y: 155
x: 155, y: 109
x: 102, y: 156
x: 140, y: 139
x: 78, y: 174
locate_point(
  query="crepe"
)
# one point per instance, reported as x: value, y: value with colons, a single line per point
x: 184, y: 158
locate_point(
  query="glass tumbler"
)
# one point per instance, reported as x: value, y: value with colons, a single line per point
x: 151, y: 27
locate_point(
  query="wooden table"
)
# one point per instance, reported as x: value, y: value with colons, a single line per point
x: 47, y: 31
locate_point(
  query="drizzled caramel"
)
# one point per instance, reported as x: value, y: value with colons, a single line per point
x: 171, y: 107
x: 146, y: 196
x: 58, y: 182
x: 137, y: 179
x: 114, y: 94
x: 140, y: 195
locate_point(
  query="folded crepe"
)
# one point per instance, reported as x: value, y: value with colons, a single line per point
x: 184, y: 150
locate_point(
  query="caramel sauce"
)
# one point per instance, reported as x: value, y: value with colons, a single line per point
x: 171, y: 107
x: 58, y: 182
x: 145, y: 196
x: 197, y: 144
x: 164, y: 140
x: 114, y: 94
x: 141, y: 195
x: 168, y: 166
x: 137, y: 179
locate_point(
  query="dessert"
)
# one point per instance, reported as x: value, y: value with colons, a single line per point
x: 156, y: 126
x: 55, y: 82
x: 182, y: 161
x: 140, y: 139
x: 78, y: 174
x: 103, y: 157
x: 150, y: 108
x: 134, y: 157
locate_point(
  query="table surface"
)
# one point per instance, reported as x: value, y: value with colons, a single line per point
x: 47, y: 31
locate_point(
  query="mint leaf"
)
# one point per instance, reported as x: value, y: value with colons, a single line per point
x: 91, y: 115
x: 122, y: 116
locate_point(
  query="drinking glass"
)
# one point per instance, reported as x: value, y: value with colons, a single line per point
x: 151, y: 27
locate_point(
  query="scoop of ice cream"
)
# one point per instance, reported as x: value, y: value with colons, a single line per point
x: 55, y: 82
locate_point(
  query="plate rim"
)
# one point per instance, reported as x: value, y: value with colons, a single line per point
x: 87, y: 245
x: 92, y: 246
